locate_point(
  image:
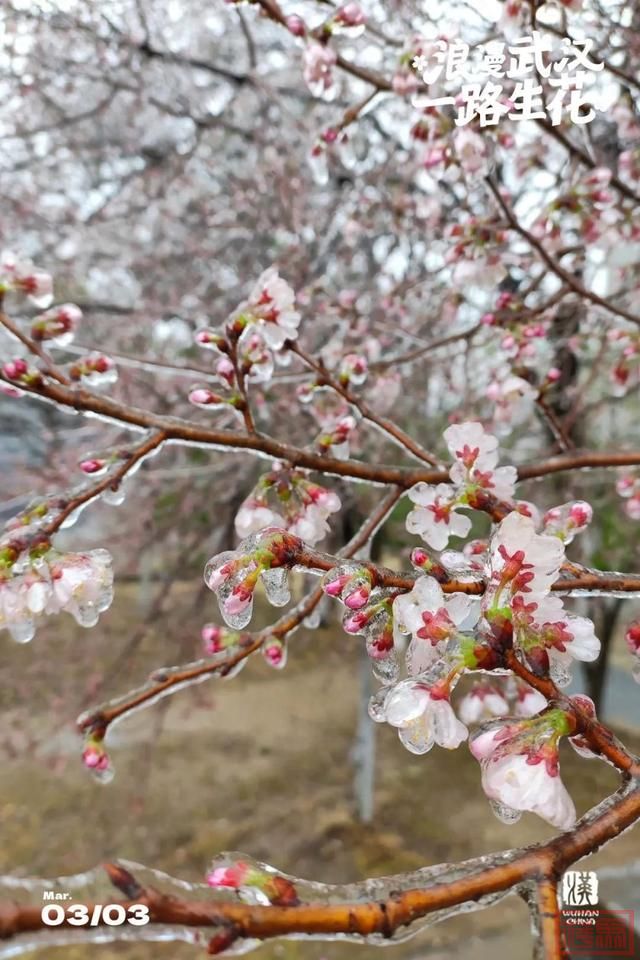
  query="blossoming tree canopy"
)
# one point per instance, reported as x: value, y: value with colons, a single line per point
x: 359, y: 275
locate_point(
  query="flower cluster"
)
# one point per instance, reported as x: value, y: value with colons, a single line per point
x: 517, y: 605
x: 476, y: 479
x: 45, y: 582
x: 254, y: 335
x: 285, y: 498
x: 492, y: 697
x: 234, y: 574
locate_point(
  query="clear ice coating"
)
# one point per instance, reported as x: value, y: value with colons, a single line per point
x: 94, y: 886
x: 505, y: 814
x: 276, y: 586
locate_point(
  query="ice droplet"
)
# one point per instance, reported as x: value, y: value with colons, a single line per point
x: 114, y: 497
x: 559, y: 672
x: 105, y: 775
x: 505, y: 814
x: 236, y: 617
x: 86, y: 614
x: 376, y: 705
x: 313, y: 619
x: 387, y: 670
x: 23, y: 631
x: 276, y: 586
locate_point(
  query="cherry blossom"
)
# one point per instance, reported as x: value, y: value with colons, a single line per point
x: 271, y: 304
x: 57, y: 325
x: 319, y: 60
x: 483, y: 701
x: 434, y: 517
x: 432, y: 620
x: 286, y: 498
x: 567, y: 520
x: 49, y: 583
x: 528, y: 701
x: 21, y: 275
x: 475, y: 477
x: 424, y: 717
x: 476, y: 456
x: 521, y: 768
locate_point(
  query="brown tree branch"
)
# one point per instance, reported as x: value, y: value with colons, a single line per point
x: 397, y: 908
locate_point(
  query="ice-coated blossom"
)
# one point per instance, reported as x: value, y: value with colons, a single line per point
x: 97, y: 760
x: 476, y: 482
x: 523, y: 565
x: 432, y: 620
x: 335, y: 439
x: 57, y: 325
x: 521, y: 561
x: 476, y: 457
x: 234, y: 574
x: 215, y: 639
x: 528, y: 701
x: 632, y: 638
x: 434, y: 517
x: 20, y: 275
x: 547, y: 634
x: 318, y: 63
x: 514, y: 398
x: 94, y: 370
x: 77, y: 583
x: 423, y: 716
x: 567, y: 520
x: 252, y: 879
x: 521, y: 768
x: 296, y: 25
x: 483, y: 702
x: 285, y: 498
x: 20, y: 371
x: 274, y: 652
x: 353, y: 369
x: 271, y: 304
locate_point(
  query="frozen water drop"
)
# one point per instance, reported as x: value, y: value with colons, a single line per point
x: 86, y: 614
x: 559, y: 673
x: 387, y: 670
x: 376, y: 705
x: 235, y: 616
x: 276, y: 586
x: 23, y: 631
x: 105, y: 775
x: 505, y: 814
x: 114, y: 497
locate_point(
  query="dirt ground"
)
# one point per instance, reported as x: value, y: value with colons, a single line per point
x: 258, y: 763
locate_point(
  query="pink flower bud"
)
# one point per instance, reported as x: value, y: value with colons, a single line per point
x: 14, y: 369
x: 92, y: 466
x: 296, y: 25
x: 358, y: 597
x: 274, y: 653
x: 212, y: 637
x: 554, y: 374
x: 632, y: 636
